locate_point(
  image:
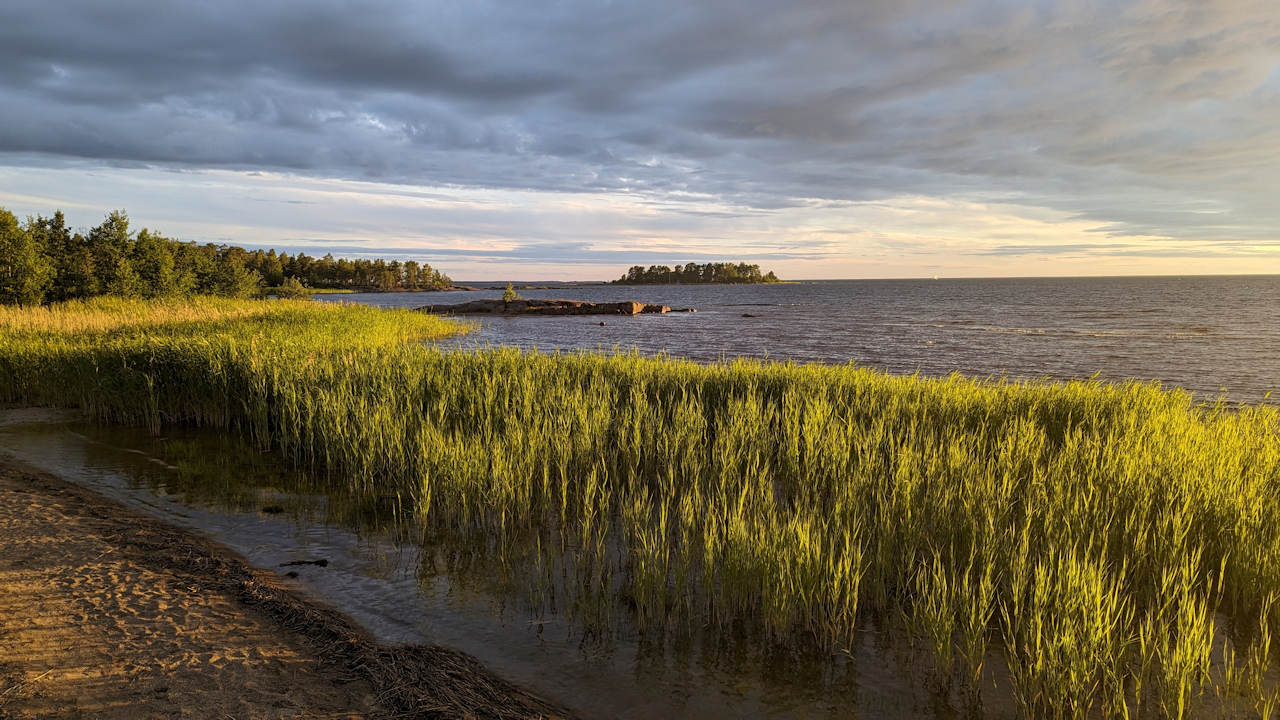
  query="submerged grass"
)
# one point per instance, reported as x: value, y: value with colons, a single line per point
x: 1117, y: 544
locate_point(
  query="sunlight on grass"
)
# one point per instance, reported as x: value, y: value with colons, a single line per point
x: 1117, y: 544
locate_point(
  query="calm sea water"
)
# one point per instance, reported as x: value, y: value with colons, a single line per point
x: 1211, y: 335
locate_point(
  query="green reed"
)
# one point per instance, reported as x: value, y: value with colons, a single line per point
x: 1101, y: 537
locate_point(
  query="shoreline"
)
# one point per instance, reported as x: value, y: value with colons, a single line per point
x: 783, y: 508
x: 189, y: 617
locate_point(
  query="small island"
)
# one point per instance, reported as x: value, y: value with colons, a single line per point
x: 695, y: 274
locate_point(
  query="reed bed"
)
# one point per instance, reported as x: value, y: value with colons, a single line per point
x: 1115, y: 545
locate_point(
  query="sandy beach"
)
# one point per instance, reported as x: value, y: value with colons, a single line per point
x: 106, y: 613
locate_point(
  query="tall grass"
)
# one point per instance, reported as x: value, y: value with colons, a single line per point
x: 1103, y: 538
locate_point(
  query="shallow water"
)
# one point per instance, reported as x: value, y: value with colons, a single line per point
x: 1207, y: 334
x: 383, y: 572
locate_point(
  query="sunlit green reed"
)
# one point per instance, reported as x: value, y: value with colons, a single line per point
x: 1116, y: 546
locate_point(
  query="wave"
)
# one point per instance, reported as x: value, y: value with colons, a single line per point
x: 1191, y: 333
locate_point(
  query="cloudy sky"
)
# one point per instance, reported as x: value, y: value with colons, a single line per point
x: 570, y: 139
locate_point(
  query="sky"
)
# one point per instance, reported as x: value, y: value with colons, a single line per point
x: 572, y: 139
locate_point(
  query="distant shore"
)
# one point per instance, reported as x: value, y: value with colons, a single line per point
x: 618, y: 283
x: 456, y: 288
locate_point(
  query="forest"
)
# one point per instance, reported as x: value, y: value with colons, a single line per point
x: 46, y: 261
x: 695, y: 274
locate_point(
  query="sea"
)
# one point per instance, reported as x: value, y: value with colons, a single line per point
x: 1216, y: 336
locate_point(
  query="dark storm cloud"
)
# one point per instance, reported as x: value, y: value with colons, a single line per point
x: 1147, y: 117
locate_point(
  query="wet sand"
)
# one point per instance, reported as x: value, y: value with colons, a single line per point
x: 107, y: 613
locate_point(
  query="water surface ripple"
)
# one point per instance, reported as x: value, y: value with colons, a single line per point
x: 1210, y: 335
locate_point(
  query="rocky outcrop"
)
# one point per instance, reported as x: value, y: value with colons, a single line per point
x: 544, y: 307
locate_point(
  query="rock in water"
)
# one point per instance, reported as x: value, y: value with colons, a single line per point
x: 544, y: 307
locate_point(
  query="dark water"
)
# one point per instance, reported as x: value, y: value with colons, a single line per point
x: 400, y: 584
x: 1211, y: 335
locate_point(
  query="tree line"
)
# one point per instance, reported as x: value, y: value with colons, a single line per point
x: 42, y: 260
x: 695, y: 274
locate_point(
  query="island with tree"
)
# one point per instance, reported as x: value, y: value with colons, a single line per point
x: 696, y: 274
